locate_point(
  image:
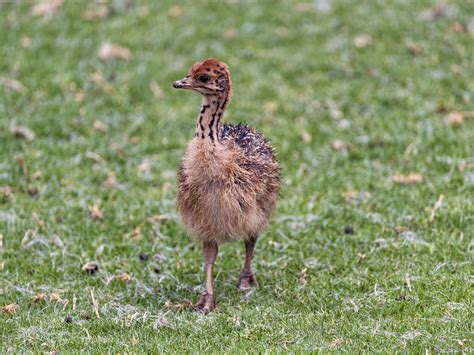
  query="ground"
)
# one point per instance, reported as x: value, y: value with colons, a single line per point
x: 370, y: 108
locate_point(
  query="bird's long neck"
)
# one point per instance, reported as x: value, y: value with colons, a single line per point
x: 209, y: 120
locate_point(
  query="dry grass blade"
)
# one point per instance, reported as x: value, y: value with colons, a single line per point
x: 336, y: 342
x: 160, y: 218
x: 28, y: 236
x: 303, y: 276
x: 124, y: 277
x: 10, y: 309
x: 100, y: 80
x: 408, y: 282
x: 410, y: 179
x: 40, y: 296
x: 95, y: 304
x: 436, y: 207
x: 95, y: 157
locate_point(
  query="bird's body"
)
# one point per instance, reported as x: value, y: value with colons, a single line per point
x: 229, y: 178
x: 228, y: 192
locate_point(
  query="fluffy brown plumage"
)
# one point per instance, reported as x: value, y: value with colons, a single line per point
x: 229, y: 178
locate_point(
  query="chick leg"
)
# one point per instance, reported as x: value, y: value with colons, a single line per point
x: 207, y: 302
x: 247, y: 277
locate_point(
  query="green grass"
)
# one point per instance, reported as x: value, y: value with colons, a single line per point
x: 299, y: 78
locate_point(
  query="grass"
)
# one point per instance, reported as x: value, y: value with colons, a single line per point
x: 302, y: 80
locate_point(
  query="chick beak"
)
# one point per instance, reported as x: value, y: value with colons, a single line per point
x: 181, y: 84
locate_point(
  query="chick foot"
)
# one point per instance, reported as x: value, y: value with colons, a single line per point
x: 246, y: 280
x: 206, y: 303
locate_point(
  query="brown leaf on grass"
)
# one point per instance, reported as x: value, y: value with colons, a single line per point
x: 306, y: 137
x: 95, y: 157
x: 46, y: 7
x: 95, y: 14
x: 455, y: 118
x: 461, y: 343
x: 145, y: 166
x: 363, y: 40
x: 36, y: 175
x: 165, y: 187
x: 90, y: 267
x: 10, y: 309
x: 25, y: 42
x: 231, y: 33
x: 32, y: 190
x: 40, y: 296
x: 143, y: 11
x: 123, y: 277
x: 55, y: 296
x: 109, y: 51
x: 336, y: 342
x: 136, y: 234
x: 100, y: 126
x: 111, y: 180
x: 175, y: 11
x: 13, y: 84
x: 457, y: 27
x: 117, y: 148
x: 414, y: 49
x: 356, y: 196
x: 303, y: 6
x: 409, y: 179
x: 401, y: 229
x: 437, y: 11
x: 100, y: 80
x: 156, y: 90
x: 178, y: 306
x: 339, y: 145
x: 7, y: 192
x: 360, y: 257
x: 22, y: 132
x: 96, y: 213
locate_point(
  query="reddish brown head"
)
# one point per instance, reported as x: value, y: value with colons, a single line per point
x: 209, y: 77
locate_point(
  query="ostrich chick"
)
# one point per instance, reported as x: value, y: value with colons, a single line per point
x: 228, y: 180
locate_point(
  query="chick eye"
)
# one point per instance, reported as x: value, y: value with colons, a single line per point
x: 204, y: 78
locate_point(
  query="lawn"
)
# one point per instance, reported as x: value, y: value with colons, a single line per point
x: 370, y: 106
